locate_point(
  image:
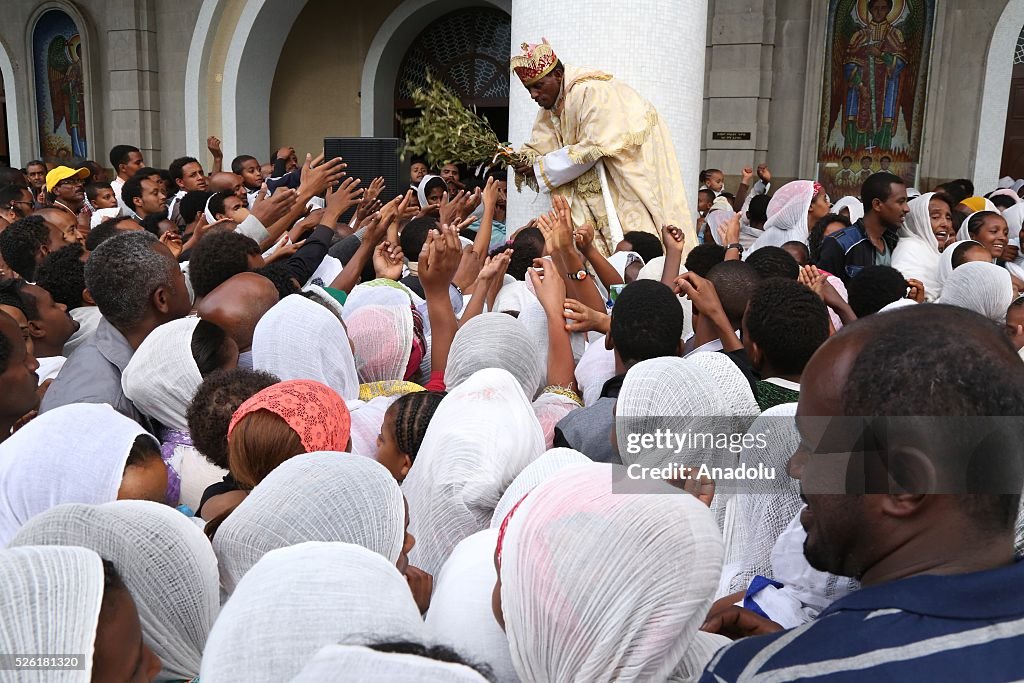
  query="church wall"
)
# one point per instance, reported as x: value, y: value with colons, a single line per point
x: 316, y: 86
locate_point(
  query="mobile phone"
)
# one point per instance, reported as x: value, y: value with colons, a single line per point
x: 613, y: 292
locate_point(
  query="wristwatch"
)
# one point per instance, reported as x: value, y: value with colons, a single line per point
x: 579, y: 275
x: 735, y: 245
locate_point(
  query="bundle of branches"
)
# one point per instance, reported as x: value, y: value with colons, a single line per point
x: 447, y: 132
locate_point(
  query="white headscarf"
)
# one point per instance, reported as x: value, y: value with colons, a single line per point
x: 787, y: 215
x: 602, y: 585
x: 945, y: 268
x: 596, y: 367
x: 382, y: 336
x: 299, y: 599
x: 495, y: 340
x: 733, y: 385
x: 165, y: 561
x: 51, y: 601
x: 379, y: 292
x: 1014, y: 218
x: 319, y: 294
x: 367, y: 419
x: 981, y: 287
x: 300, y: 339
x: 665, y: 393
x: 71, y: 454
x: 482, y: 435
x: 343, y: 663
x: 917, y: 254
x: 536, y: 473
x: 963, y: 234
x: 621, y: 260
x: 512, y: 297
x: 715, y: 219
x: 313, y: 497
x: 162, y: 376
x: 762, y: 508
x: 1005, y: 192
x: 421, y: 192
x: 460, y: 614
x: 535, y: 319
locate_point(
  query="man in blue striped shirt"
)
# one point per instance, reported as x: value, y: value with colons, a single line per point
x: 940, y: 597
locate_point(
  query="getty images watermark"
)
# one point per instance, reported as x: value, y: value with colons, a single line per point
x: 660, y: 442
x: 957, y: 455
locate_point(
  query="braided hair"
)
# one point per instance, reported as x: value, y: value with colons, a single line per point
x: 412, y: 415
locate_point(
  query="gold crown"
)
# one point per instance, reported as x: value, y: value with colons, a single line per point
x: 535, y: 63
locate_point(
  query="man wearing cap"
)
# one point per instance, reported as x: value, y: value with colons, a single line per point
x: 66, y: 186
x: 597, y: 142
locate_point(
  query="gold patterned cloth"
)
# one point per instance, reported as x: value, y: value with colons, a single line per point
x: 601, y: 118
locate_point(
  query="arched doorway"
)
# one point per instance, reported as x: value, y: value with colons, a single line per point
x: 469, y: 50
x: 1012, y: 163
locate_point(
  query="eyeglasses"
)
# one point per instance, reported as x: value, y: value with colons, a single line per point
x: 15, y: 203
x: 70, y: 181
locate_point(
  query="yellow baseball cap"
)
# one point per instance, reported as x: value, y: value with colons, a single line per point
x: 63, y: 173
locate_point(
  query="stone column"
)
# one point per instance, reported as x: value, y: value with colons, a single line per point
x: 739, y: 92
x: 134, y: 88
x: 656, y: 46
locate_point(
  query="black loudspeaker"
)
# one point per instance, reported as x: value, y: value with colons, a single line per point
x: 368, y: 158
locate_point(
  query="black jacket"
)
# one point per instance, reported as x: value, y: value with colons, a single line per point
x: 849, y: 251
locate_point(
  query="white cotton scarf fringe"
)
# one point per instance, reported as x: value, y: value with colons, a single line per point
x: 319, y: 496
x: 299, y: 599
x: 163, y: 558
x: 630, y: 616
x: 51, y: 601
x: 482, y: 435
x: 71, y: 454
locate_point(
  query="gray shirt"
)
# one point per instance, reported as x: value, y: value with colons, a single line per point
x: 589, y: 430
x: 93, y: 375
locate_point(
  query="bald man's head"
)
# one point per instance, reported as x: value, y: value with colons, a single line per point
x: 237, y: 305
x: 230, y: 182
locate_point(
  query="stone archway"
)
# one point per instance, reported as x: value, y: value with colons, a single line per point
x: 384, y: 58
x: 257, y: 38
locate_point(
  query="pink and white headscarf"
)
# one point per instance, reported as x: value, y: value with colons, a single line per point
x: 787, y: 214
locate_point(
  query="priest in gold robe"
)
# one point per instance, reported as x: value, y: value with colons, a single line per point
x: 597, y: 142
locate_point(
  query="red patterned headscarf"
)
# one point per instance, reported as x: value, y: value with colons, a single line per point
x: 315, y: 411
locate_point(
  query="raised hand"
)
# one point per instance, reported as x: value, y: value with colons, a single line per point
x: 701, y: 292
x: 495, y: 266
x: 172, y: 240
x: 376, y: 187
x: 730, y: 230
x: 584, y: 318
x: 673, y: 238
x: 490, y: 193
x: 449, y: 212
x: 439, y: 259
x: 388, y: 260
x: 916, y: 292
x: 275, y: 207
x: 548, y: 285
x: 213, y: 144
x: 339, y: 201
x: 283, y: 249
x: 317, y: 178
x: 584, y: 237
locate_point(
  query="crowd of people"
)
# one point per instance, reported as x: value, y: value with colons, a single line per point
x: 270, y: 425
